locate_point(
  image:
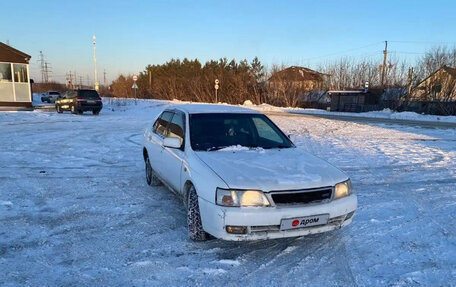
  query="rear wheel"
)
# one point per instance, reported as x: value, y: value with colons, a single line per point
x: 73, y: 110
x: 151, y: 178
x: 195, y: 227
x: 95, y: 112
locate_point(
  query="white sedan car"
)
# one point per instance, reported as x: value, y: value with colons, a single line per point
x: 241, y: 177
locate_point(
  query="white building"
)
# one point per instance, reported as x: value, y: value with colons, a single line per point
x: 15, y: 87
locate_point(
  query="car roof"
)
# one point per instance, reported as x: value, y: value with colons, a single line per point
x: 211, y: 108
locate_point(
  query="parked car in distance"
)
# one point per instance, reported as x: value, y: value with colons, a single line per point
x: 241, y: 177
x: 79, y: 101
x: 50, y: 97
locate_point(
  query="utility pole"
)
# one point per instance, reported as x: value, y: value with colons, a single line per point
x: 95, y: 61
x: 47, y: 71
x: 70, y: 83
x: 385, y: 57
x: 41, y: 61
x: 104, y: 78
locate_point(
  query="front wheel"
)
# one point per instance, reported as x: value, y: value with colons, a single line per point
x: 195, y: 227
x: 151, y: 178
x: 59, y: 110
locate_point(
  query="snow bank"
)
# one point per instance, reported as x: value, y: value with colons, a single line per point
x: 384, y: 114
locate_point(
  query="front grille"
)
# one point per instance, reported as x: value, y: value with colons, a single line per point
x: 301, y: 196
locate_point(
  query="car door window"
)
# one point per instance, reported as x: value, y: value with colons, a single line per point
x: 176, y: 127
x: 161, y: 124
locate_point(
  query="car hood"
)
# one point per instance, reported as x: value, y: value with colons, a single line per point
x: 271, y: 169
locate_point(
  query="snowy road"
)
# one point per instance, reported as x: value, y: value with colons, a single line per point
x: 75, y: 209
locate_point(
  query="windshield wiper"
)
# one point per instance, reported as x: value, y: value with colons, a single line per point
x: 279, y: 146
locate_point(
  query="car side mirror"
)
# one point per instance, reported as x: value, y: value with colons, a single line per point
x: 172, y: 142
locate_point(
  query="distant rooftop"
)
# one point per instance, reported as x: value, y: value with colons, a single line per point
x: 10, y: 55
x: 295, y: 73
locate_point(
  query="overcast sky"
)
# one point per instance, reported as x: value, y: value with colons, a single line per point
x: 132, y: 34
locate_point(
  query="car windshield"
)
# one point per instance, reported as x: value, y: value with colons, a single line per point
x: 88, y: 94
x: 214, y: 131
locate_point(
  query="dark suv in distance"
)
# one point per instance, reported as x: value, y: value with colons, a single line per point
x: 79, y: 101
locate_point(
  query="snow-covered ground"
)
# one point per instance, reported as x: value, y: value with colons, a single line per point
x: 75, y: 208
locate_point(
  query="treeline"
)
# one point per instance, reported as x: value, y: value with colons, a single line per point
x: 190, y: 80
x: 349, y: 73
x: 50, y: 86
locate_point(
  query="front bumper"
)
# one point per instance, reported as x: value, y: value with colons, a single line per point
x: 264, y: 222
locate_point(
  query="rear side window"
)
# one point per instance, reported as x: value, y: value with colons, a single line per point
x: 161, y: 123
x: 71, y: 94
x: 88, y: 94
x: 176, y: 127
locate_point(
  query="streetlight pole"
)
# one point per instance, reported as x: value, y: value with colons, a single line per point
x: 95, y: 61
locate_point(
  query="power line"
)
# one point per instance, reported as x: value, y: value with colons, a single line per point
x: 343, y: 52
x: 424, y: 42
x: 405, y: 52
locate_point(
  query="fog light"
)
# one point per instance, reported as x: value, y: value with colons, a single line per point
x: 236, y: 229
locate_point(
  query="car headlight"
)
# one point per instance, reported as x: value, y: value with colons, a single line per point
x: 343, y: 189
x: 227, y: 197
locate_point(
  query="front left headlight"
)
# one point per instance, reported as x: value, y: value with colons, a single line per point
x: 238, y: 198
x: 343, y: 189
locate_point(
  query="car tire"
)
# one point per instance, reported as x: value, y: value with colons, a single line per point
x: 151, y: 178
x: 59, y: 110
x: 195, y: 227
x: 95, y: 112
x: 73, y: 110
x: 80, y: 112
